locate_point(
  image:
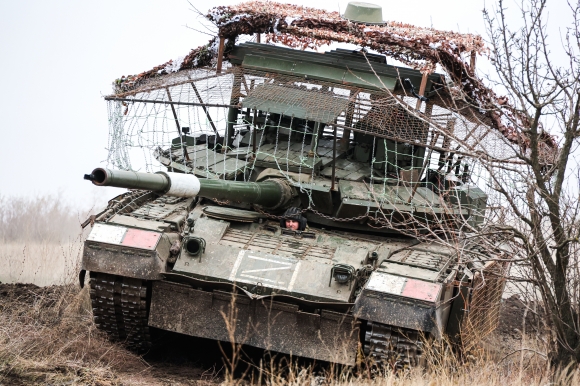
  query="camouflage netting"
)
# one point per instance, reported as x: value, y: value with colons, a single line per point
x: 303, y: 27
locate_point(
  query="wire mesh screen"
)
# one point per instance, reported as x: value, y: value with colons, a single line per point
x: 483, y: 316
x: 380, y: 142
x: 297, y: 102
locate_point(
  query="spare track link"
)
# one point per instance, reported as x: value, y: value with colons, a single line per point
x: 120, y: 308
x: 395, y: 347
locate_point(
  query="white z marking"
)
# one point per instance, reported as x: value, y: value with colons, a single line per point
x: 267, y: 269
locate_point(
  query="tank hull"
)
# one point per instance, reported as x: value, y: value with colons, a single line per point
x: 260, y: 322
x: 258, y: 284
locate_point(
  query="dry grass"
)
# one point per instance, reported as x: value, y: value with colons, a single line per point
x: 517, y: 363
x: 47, y: 336
x: 443, y: 369
x: 40, y: 240
x: 485, y: 374
x: 45, y: 263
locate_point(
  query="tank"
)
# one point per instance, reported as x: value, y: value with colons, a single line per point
x: 324, y: 218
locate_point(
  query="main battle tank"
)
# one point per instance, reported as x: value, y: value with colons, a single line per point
x: 202, y: 249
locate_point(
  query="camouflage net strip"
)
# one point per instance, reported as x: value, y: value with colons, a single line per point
x: 303, y: 27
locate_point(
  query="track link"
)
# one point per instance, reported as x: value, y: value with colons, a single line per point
x: 395, y: 347
x: 120, y: 308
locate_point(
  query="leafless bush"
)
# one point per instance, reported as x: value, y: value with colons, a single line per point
x: 540, y: 195
x: 38, y: 219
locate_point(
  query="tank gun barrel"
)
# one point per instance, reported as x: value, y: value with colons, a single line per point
x: 271, y: 194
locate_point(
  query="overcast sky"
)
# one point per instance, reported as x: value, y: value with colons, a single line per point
x: 59, y: 58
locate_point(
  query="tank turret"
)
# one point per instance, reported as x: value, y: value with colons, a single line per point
x: 272, y: 194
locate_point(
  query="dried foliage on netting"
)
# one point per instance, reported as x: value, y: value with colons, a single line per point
x: 198, y: 58
x: 303, y: 27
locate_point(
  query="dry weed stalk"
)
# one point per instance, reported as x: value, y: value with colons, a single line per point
x: 232, y: 360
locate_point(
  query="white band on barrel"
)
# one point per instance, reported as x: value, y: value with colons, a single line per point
x: 182, y: 185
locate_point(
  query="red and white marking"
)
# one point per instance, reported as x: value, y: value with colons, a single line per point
x: 120, y: 235
x: 402, y: 286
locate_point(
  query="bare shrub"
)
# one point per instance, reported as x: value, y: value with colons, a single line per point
x: 540, y: 195
x: 38, y: 219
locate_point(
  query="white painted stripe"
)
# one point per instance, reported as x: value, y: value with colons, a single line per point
x: 294, y: 276
x: 237, y: 265
x: 267, y: 269
x: 270, y: 260
x: 260, y: 278
x: 253, y: 282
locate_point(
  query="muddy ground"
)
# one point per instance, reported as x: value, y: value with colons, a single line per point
x: 174, y: 360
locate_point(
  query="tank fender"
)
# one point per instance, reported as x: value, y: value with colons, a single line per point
x: 403, y: 302
x: 126, y: 251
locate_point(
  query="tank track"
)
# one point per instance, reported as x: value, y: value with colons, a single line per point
x: 120, y: 308
x: 394, y: 347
